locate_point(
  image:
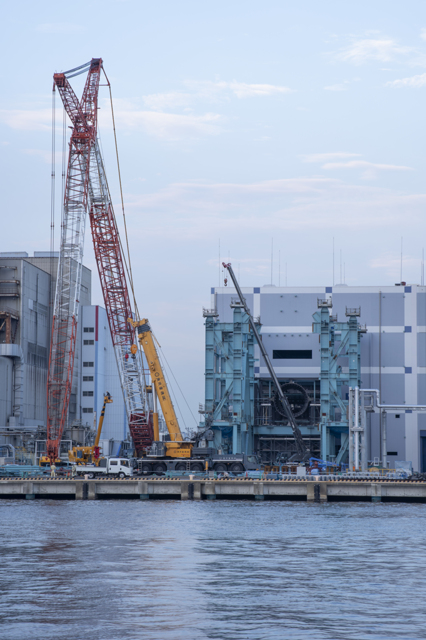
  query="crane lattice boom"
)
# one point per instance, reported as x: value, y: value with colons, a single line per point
x: 83, y: 116
x: 87, y: 190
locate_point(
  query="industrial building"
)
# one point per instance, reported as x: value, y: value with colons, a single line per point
x: 27, y: 289
x: 321, y: 341
x: 99, y: 374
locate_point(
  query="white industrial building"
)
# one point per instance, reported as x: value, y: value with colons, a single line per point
x: 392, y: 353
x: 99, y: 375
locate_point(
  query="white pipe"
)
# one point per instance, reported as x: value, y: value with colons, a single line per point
x: 363, y: 435
x: 356, y: 421
x: 384, y: 441
x: 393, y: 407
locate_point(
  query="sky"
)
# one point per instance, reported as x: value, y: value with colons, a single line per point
x: 271, y: 130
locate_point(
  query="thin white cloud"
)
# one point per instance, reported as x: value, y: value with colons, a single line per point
x: 44, y: 154
x: 60, y: 27
x: 202, y: 210
x: 363, y: 164
x: 325, y: 157
x: 239, y: 89
x: 337, y: 87
x: 370, y: 170
x: 423, y: 34
x: 244, y: 90
x: 27, y: 120
x: 168, y: 126
x: 381, y: 49
x: 415, y: 82
x: 209, y: 90
x: 171, y: 100
x: 391, y: 264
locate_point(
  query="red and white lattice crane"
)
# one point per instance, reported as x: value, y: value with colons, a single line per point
x: 86, y: 191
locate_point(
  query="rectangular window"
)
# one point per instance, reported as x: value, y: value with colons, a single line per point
x: 89, y: 329
x: 113, y: 462
x: 87, y: 378
x: 292, y: 354
x: 88, y: 393
x: 87, y: 410
x: 88, y: 364
x: 88, y: 342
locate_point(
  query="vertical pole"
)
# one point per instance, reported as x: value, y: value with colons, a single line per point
x: 380, y: 371
x: 384, y: 443
x: 356, y: 423
x: 351, y: 435
x: 363, y: 434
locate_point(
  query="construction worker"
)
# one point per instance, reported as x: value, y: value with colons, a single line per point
x: 73, y: 470
x: 53, y: 470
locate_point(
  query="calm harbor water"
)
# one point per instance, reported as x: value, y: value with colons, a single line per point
x: 124, y: 570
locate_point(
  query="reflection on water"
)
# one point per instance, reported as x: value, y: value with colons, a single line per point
x: 224, y: 570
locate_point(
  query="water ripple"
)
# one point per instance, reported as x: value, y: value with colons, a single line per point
x: 216, y: 571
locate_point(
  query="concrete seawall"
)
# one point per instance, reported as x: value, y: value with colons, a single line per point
x: 205, y: 489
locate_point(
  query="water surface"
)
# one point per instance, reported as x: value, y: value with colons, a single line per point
x: 234, y: 570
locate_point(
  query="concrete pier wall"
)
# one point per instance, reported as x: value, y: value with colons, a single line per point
x: 199, y: 489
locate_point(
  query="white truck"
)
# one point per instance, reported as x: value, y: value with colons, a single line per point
x: 107, y: 468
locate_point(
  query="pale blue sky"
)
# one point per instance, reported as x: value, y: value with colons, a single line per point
x: 239, y: 121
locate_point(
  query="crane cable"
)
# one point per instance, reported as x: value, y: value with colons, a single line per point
x: 129, y: 267
x: 174, y: 378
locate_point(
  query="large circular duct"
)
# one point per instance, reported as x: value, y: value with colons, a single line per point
x: 296, y: 396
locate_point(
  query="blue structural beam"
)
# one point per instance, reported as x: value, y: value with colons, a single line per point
x: 229, y: 390
x: 338, y: 341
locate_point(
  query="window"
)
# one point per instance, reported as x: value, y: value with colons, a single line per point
x: 292, y: 354
x: 88, y: 393
x: 113, y: 462
x: 88, y: 342
x: 87, y: 378
x: 89, y: 329
x: 87, y: 410
x: 88, y: 364
x: 124, y: 463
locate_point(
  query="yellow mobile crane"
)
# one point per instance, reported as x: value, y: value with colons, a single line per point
x: 177, y: 447
x: 86, y: 455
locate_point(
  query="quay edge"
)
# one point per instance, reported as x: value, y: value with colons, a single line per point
x: 369, y: 490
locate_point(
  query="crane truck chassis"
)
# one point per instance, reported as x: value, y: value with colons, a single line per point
x: 202, y: 459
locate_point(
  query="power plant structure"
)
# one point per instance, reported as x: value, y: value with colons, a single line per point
x: 27, y: 288
x: 322, y: 342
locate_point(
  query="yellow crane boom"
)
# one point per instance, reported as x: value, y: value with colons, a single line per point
x: 85, y: 455
x: 177, y: 447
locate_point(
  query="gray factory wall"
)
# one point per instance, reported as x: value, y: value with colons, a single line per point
x: 291, y: 309
x: 6, y: 381
x: 392, y: 312
x: 44, y: 261
x: 33, y: 306
x: 35, y: 339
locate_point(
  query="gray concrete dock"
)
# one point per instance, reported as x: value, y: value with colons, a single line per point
x: 207, y: 489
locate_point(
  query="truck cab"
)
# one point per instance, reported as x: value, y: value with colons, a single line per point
x: 117, y: 467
